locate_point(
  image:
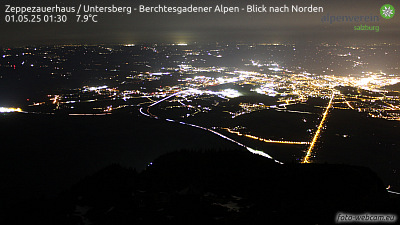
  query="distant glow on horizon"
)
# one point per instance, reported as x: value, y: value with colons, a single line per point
x: 368, y: 81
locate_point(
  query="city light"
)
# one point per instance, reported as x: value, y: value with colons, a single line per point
x: 9, y: 110
x: 188, y: 87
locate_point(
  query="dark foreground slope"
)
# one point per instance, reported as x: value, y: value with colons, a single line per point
x: 225, y: 187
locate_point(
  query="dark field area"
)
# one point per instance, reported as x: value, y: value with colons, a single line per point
x: 45, y: 154
x: 353, y: 138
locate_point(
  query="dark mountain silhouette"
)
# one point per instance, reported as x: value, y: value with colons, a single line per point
x: 212, y: 187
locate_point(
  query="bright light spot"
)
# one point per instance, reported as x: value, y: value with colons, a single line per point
x: 230, y: 93
x: 159, y: 73
x: 8, y: 110
x: 96, y: 88
x: 275, y: 69
x: 222, y: 80
x: 267, y: 89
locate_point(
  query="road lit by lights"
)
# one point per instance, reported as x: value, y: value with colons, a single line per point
x: 348, y: 104
x: 148, y: 114
x: 267, y: 140
x: 318, y: 132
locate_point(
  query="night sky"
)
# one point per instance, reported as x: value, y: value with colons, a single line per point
x: 170, y: 27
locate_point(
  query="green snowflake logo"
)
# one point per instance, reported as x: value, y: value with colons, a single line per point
x: 387, y: 11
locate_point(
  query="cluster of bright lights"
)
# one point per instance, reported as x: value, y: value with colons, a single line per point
x: 159, y: 73
x: 229, y: 93
x: 368, y: 81
x: 222, y: 80
x: 267, y: 89
x: 95, y: 88
x: 185, y: 67
x: 244, y: 73
x: 9, y: 110
x: 275, y: 69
